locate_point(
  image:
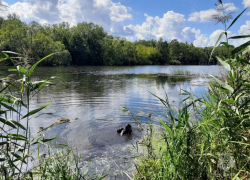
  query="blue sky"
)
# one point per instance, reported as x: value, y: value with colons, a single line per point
x: 185, y: 20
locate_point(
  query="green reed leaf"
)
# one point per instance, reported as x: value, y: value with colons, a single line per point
x: 239, y: 37
x: 232, y: 75
x: 224, y: 64
x: 217, y: 42
x: 167, y: 128
x: 224, y: 85
x: 12, y: 70
x: 21, y: 69
x: 18, y: 124
x: 240, y: 48
x: 235, y: 19
x: 244, y: 61
x: 225, y: 44
x: 34, y: 66
x: 35, y: 111
x: 10, y: 108
x: 7, y: 122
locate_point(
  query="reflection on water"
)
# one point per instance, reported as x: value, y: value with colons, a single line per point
x: 92, y: 98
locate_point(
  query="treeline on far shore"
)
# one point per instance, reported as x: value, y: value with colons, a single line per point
x: 88, y: 44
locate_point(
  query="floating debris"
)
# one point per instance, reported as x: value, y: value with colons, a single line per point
x: 59, y: 121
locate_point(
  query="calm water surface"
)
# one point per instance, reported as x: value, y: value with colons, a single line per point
x: 93, y: 97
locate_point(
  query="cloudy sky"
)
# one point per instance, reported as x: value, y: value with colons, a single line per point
x: 185, y: 20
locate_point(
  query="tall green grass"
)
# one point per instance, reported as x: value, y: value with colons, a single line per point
x: 16, y: 159
x: 207, y: 137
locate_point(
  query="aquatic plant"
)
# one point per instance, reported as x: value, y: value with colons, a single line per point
x: 181, y: 72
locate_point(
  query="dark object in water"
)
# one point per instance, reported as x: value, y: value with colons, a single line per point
x: 126, y: 130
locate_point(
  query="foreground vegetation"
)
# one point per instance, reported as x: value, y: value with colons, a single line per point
x: 88, y: 44
x: 207, y: 137
x: 17, y: 161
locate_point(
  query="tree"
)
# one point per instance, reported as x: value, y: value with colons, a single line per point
x: 163, y: 52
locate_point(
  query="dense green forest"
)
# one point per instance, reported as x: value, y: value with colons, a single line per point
x: 88, y: 44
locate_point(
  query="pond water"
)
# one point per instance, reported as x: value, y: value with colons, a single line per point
x: 93, y: 98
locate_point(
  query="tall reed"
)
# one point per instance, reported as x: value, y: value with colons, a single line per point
x: 15, y: 132
x: 207, y: 137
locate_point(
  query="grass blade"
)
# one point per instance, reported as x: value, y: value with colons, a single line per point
x: 217, y: 42
x: 235, y: 19
x: 167, y: 128
x: 224, y: 64
x: 35, y: 111
x: 34, y: 66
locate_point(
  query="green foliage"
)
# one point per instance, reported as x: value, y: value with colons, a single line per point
x: 144, y: 53
x: 174, y: 62
x: 207, y: 137
x: 60, y: 164
x: 15, y: 132
x: 88, y: 44
x: 15, y: 138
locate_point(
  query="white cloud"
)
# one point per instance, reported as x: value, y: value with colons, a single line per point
x: 246, y: 3
x: 214, y: 37
x: 168, y: 27
x: 201, y: 16
x: 194, y: 36
x: 201, y: 41
x: 245, y: 29
x: 102, y: 12
x: 204, y: 16
x: 110, y: 15
x: 119, y: 12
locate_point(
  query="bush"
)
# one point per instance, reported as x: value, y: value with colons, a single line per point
x: 174, y: 62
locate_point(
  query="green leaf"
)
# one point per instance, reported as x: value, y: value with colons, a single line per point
x: 35, y: 111
x: 217, y: 42
x: 244, y: 61
x: 224, y: 85
x: 65, y: 145
x: 225, y: 44
x: 224, y: 64
x: 18, y: 124
x: 2, y: 159
x: 21, y: 69
x: 44, y: 140
x: 247, y: 85
x: 39, y: 84
x: 235, y: 19
x: 17, y: 156
x: 229, y: 101
x: 2, y: 143
x: 240, y: 48
x: 47, y: 140
x: 18, y: 137
x: 239, y: 37
x: 11, y: 70
x: 6, y: 57
x: 232, y: 75
x: 7, y: 122
x: 8, y: 107
x: 35, y: 139
x: 167, y: 128
x: 34, y: 66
